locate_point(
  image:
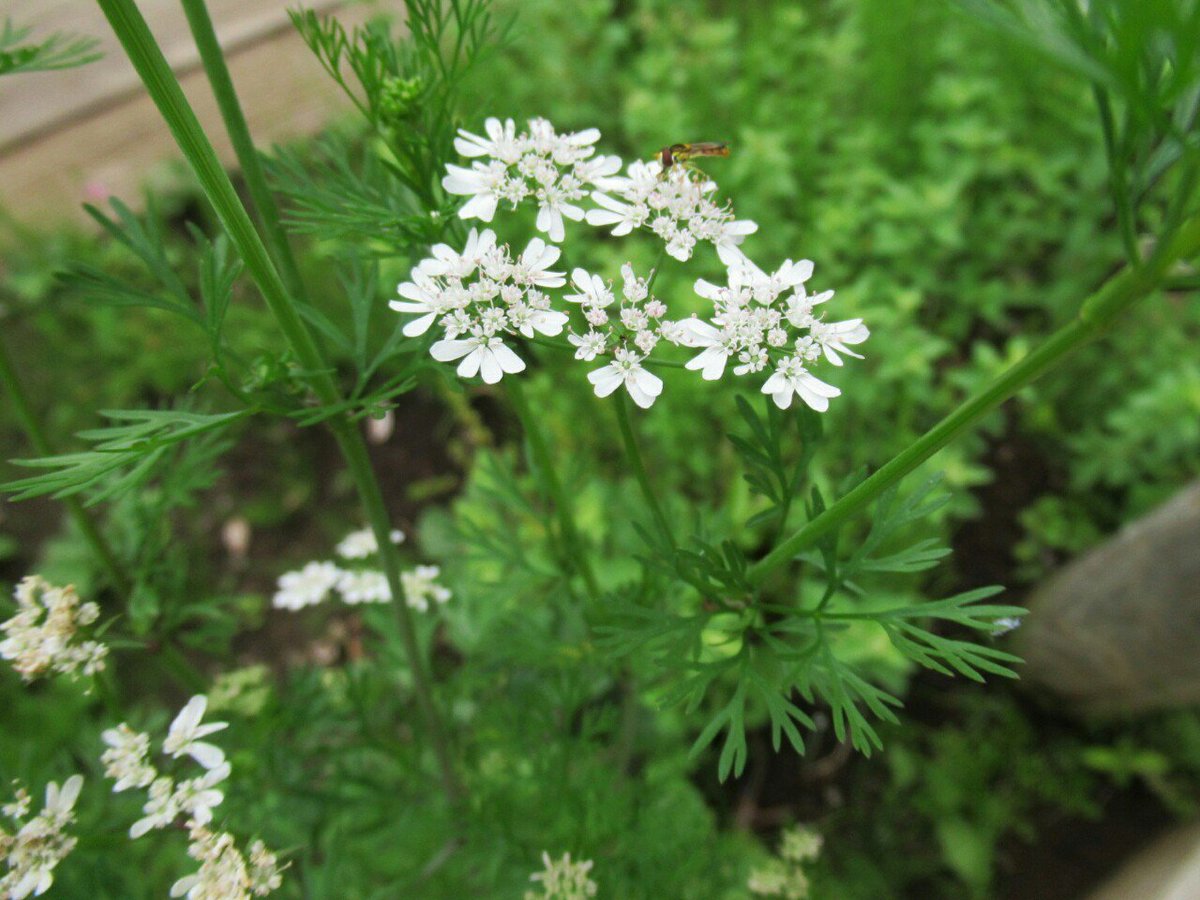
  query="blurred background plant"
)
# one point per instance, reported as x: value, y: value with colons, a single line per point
x: 945, y: 166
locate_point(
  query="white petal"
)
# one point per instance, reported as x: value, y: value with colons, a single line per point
x: 419, y: 326
x: 448, y: 350
x: 711, y: 363
x: 208, y: 755
x: 508, y: 360
x: 481, y: 206
x: 605, y: 380
x: 469, y: 367
x: 489, y: 367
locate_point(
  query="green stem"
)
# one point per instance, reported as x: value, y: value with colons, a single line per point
x: 629, y: 440
x: 163, y: 87
x: 1095, y: 315
x: 213, y: 60
x: 551, y: 484
x: 117, y: 576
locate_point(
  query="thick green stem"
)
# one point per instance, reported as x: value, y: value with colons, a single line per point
x: 163, y: 87
x: 239, y: 135
x: 549, y: 478
x: 121, y: 582
x: 634, y: 454
x: 1096, y: 314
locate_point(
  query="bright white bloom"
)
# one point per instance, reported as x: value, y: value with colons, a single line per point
x: 791, y: 377
x: 676, y: 205
x: 483, y: 355
x: 627, y: 370
x: 420, y: 587
x: 126, y: 757
x: 361, y: 544
x: 562, y: 879
x: 224, y: 872
x: 40, y: 638
x: 307, y: 587
x: 40, y: 843
x: 1005, y: 624
x: 555, y: 170
x: 759, y: 319
x: 161, y: 809
x: 185, y: 732
x: 480, y: 295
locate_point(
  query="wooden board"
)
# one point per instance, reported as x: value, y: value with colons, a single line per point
x: 80, y: 135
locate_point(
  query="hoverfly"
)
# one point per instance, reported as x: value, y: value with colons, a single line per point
x: 681, y: 153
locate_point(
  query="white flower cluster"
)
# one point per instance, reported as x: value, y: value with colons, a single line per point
x: 224, y: 872
x: 756, y: 321
x: 487, y: 292
x: 676, y: 206
x: 784, y: 876
x: 480, y: 294
x: 562, y: 879
x: 556, y: 170
x: 40, y: 638
x: 38, y: 844
x: 313, y: 583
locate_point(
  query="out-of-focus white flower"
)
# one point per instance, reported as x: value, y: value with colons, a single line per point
x: 196, y: 797
x: 420, y: 587
x: 41, y: 637
x: 126, y: 757
x: 224, y: 872
x: 362, y: 544
x: 183, y: 737
x: 40, y: 843
x: 562, y: 879
x: 306, y: 587
x: 364, y: 586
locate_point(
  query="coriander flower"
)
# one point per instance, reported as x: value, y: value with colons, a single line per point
x: 476, y: 304
x: 791, y: 377
x: 760, y: 319
x: 307, y: 587
x: 41, y: 637
x: 483, y: 355
x: 420, y: 587
x: 39, y: 844
x: 556, y: 170
x: 627, y: 370
x: 196, y: 797
x: 361, y: 544
x: 676, y: 205
x: 562, y: 879
x: 364, y: 586
x: 126, y: 758
x: 224, y: 872
x: 183, y: 737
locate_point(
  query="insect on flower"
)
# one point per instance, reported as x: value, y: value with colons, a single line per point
x: 681, y: 153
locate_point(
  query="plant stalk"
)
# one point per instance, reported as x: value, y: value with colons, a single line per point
x: 634, y: 454
x: 549, y: 477
x: 1095, y: 315
x: 163, y: 87
x: 213, y: 60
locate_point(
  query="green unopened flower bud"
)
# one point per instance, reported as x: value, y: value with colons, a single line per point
x: 398, y: 97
